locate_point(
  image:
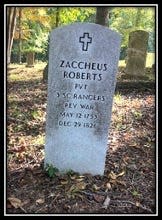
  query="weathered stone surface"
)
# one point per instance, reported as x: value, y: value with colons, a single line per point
x: 136, y: 53
x: 83, y: 60
x: 30, y: 59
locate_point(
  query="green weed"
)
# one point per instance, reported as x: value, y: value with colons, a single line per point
x: 51, y: 170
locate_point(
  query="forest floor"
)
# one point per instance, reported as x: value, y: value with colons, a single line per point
x: 128, y: 185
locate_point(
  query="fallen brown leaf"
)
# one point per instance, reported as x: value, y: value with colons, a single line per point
x: 81, y: 178
x: 81, y: 185
x: 16, y: 203
x: 114, y: 176
x: 108, y: 186
x: 40, y: 201
x: 121, y: 174
x: 64, y: 182
x: 73, y: 177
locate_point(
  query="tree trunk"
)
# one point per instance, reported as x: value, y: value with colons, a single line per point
x: 20, y: 15
x: 11, y: 24
x: 45, y: 71
x: 102, y: 16
x: 138, y: 17
x: 57, y: 17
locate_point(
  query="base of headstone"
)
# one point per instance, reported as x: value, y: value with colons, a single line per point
x: 29, y: 66
x: 135, y: 63
x: 134, y: 77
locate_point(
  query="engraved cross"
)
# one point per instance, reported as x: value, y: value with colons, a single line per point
x: 85, y: 40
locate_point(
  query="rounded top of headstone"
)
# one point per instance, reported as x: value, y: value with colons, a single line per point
x: 139, y: 33
x: 92, y: 26
x: 138, y: 39
x: 84, y: 39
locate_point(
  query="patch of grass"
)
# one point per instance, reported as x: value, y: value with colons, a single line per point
x: 135, y: 193
x: 37, y: 114
x: 39, y: 140
x: 118, y: 98
x: 150, y: 59
x: 17, y: 72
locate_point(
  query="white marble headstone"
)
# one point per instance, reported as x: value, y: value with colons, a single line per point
x: 83, y: 61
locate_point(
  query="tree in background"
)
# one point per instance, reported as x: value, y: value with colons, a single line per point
x: 128, y: 19
x: 59, y: 16
x: 11, y: 25
x: 31, y: 32
x: 35, y: 23
x: 102, y: 16
x: 20, y: 32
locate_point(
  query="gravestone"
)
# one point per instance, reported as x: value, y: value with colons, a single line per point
x: 83, y: 61
x: 30, y: 59
x: 136, y: 53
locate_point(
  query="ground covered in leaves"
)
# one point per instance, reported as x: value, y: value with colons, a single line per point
x: 128, y: 185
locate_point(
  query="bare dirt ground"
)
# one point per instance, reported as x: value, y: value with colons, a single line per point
x: 128, y: 185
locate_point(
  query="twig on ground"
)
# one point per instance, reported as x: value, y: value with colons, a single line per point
x: 106, y: 202
x: 132, y: 203
x: 23, y: 209
x: 91, y: 194
x: 15, y: 119
x: 100, y: 193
